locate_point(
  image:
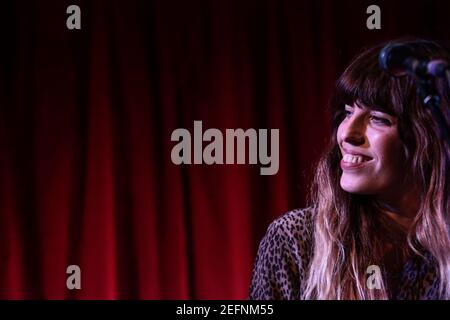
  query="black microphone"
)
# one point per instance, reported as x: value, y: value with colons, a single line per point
x: 399, y: 60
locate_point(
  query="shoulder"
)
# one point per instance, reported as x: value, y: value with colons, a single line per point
x: 298, y: 223
x: 292, y: 233
x: 292, y: 230
x: 283, y: 256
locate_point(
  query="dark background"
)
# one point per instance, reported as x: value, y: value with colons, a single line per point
x: 86, y: 118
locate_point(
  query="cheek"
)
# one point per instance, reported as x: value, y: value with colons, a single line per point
x: 339, y: 132
x: 390, y: 151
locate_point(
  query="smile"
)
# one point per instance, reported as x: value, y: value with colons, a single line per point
x: 351, y: 158
x: 353, y: 162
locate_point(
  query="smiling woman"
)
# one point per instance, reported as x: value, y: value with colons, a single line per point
x: 380, y: 198
x: 372, y: 158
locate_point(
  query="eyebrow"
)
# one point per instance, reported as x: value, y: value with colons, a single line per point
x: 359, y: 105
x: 373, y: 108
x: 351, y: 105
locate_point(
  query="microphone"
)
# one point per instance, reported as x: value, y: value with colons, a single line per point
x: 438, y: 67
x: 399, y: 60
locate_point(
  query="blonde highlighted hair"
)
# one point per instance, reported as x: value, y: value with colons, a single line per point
x: 348, y: 227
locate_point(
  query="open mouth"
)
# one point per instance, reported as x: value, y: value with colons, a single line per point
x: 355, y: 159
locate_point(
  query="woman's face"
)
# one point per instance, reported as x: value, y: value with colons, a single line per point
x: 372, y: 157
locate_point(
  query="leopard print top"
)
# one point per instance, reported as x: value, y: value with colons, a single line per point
x: 285, y: 252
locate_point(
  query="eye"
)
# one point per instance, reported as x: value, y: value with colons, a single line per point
x: 380, y: 120
x: 348, y: 113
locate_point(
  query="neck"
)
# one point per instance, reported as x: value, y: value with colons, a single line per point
x: 401, y: 208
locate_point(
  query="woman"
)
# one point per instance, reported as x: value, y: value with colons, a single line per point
x: 378, y: 224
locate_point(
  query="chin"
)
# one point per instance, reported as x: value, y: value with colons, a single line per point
x: 355, y: 187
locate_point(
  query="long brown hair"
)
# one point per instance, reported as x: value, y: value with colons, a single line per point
x: 348, y: 226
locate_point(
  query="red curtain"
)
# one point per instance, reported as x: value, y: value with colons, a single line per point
x: 85, y: 131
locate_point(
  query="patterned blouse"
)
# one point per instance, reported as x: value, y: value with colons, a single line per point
x: 286, y: 250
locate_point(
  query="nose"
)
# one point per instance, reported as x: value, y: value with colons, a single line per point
x: 353, y: 131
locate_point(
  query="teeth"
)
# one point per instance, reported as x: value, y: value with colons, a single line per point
x: 350, y: 158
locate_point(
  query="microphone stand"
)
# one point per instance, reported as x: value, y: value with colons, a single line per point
x: 432, y: 101
x: 447, y: 74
